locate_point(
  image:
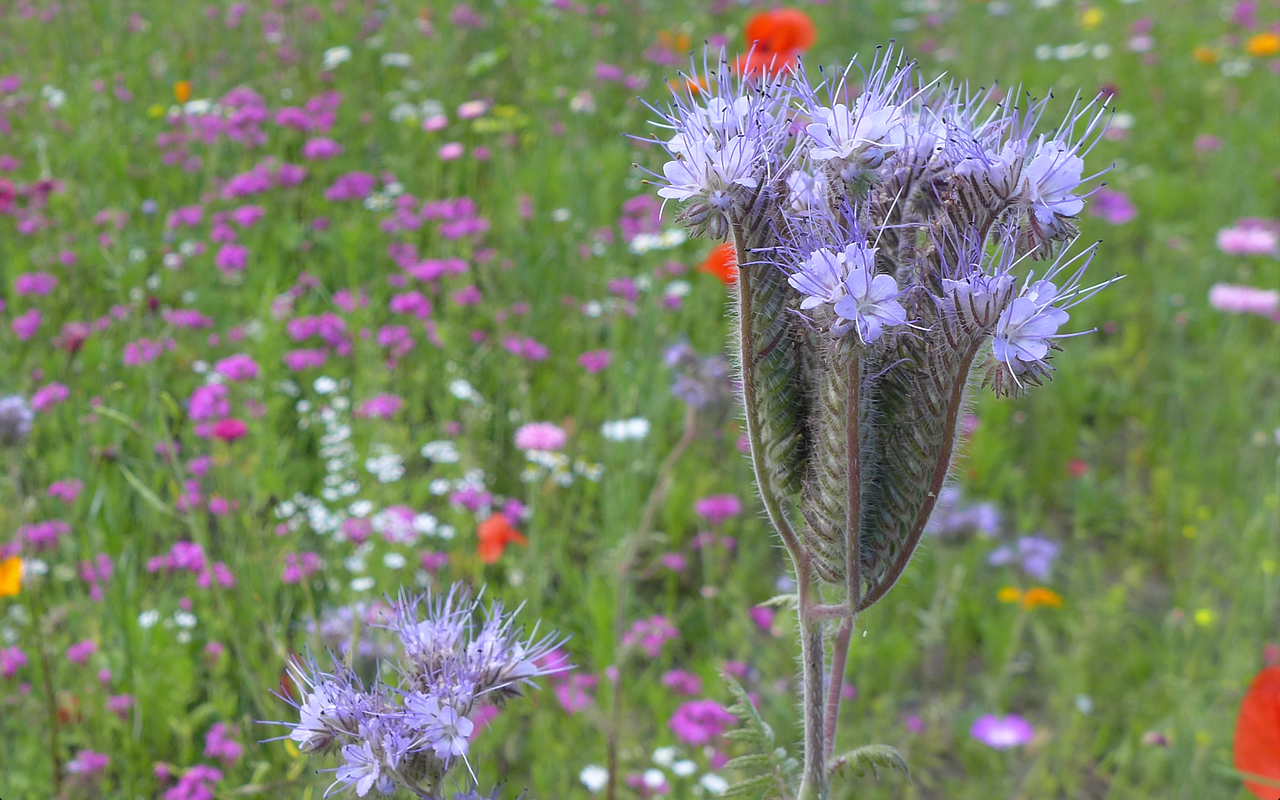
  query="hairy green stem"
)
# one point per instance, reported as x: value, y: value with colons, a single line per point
x: 839, y: 657
x: 813, y: 784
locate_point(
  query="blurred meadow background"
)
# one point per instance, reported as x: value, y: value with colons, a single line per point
x: 287, y: 284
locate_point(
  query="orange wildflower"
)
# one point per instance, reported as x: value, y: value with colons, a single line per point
x: 10, y: 576
x: 722, y: 262
x: 1262, y: 45
x: 1205, y: 55
x: 182, y: 91
x: 776, y: 38
x: 1038, y: 596
x: 1257, y: 746
x: 495, y: 533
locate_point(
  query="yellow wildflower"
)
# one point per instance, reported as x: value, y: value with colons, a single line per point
x: 1205, y: 55
x: 1264, y: 44
x: 10, y: 576
x: 1038, y: 596
x: 1009, y: 594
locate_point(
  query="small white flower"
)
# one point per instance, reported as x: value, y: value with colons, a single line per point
x: 684, y: 768
x: 393, y: 560
x: 446, y: 532
x: 664, y: 756
x: 560, y: 215
x: 54, y: 96
x: 335, y: 56
x: 325, y: 385
x: 395, y: 60
x: 625, y: 429
x: 594, y: 777
x: 713, y: 783
x: 653, y: 779
x: 678, y: 289
x: 185, y: 619
x: 362, y: 584
x: 148, y: 619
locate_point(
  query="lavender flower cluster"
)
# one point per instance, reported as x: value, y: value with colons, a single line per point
x: 455, y: 658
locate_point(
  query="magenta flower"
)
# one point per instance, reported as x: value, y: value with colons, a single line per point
x: 697, y: 722
x: 1002, y: 733
x: 762, y: 616
x: 1245, y: 300
x: 382, y: 406
x: 229, y: 430
x: 248, y: 216
x: 80, y: 652
x: 237, y: 368
x: 67, y: 491
x: 1113, y: 206
x: 575, y: 692
x: 210, y: 401
x: 219, y: 744
x: 88, y: 764
x: 650, y: 635
x: 681, y: 682
x: 351, y: 186
x: 541, y: 436
x: 49, y: 395
x: 718, y: 508
x: 321, y: 149
x: 26, y: 325
x: 231, y: 258
x: 44, y: 535
x: 594, y: 361
x: 451, y: 151
x: 34, y: 283
x: 303, y: 359
x: 12, y: 659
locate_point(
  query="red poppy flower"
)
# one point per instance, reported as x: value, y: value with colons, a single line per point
x: 777, y: 39
x: 495, y: 533
x: 722, y: 263
x: 1258, y: 733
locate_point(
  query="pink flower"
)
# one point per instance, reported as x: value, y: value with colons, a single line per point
x: 718, y: 508
x: 382, y: 406
x: 12, y: 659
x: 248, y: 216
x: 88, y: 763
x: 681, y: 682
x: 26, y: 325
x: 575, y: 692
x: 209, y: 401
x: 67, y: 491
x: 594, y: 361
x: 1251, y: 237
x: 320, y: 149
x: 762, y: 616
x: 49, y: 395
x: 80, y: 652
x: 450, y: 151
x: 34, y: 283
x: 541, y: 436
x: 299, y: 360
x: 1245, y: 300
x: 697, y: 722
x: 351, y: 186
x: 231, y: 258
x: 1113, y: 206
x: 434, y: 123
x: 237, y: 368
x: 650, y: 635
x: 1002, y: 732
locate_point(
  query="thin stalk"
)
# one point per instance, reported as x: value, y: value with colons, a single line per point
x: 813, y: 785
x: 624, y: 576
x: 839, y: 657
x: 46, y: 679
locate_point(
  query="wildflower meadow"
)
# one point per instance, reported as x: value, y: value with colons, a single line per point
x: 543, y: 399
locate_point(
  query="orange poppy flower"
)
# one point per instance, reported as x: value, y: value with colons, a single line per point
x: 10, y: 576
x: 1257, y: 748
x: 1263, y: 45
x: 182, y: 91
x: 783, y: 30
x: 495, y: 533
x: 722, y: 263
x: 1038, y: 596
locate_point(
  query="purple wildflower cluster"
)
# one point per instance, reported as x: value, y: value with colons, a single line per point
x: 848, y: 188
x: 455, y: 658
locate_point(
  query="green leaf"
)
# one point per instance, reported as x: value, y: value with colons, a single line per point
x: 749, y: 761
x: 151, y: 497
x: 868, y: 758
x: 749, y: 786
